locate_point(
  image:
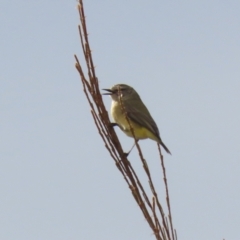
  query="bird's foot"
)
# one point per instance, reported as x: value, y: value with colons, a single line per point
x: 125, y: 154
x: 113, y: 125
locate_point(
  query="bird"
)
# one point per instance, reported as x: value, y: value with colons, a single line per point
x: 126, y: 102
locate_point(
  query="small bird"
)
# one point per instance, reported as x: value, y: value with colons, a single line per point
x: 127, y: 102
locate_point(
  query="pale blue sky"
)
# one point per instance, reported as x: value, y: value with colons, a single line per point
x: 181, y: 56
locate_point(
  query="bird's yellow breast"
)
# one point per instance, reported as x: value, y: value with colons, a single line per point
x: 120, y: 118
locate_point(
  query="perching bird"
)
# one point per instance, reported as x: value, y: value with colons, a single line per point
x: 127, y: 102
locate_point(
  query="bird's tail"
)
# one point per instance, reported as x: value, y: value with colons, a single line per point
x: 165, y: 148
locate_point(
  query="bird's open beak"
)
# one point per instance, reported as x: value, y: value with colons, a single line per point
x: 108, y: 93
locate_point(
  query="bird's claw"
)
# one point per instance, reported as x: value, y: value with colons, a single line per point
x: 125, y: 154
x: 113, y: 125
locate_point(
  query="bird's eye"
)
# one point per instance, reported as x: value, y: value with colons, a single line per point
x: 121, y: 90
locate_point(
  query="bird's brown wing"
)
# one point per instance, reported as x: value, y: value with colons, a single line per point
x: 143, y: 119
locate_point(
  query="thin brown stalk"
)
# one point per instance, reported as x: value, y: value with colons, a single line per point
x: 167, y: 193
x: 110, y: 140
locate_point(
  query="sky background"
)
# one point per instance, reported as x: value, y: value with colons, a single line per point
x: 57, y: 180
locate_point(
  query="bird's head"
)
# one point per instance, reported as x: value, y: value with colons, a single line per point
x: 122, y: 91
